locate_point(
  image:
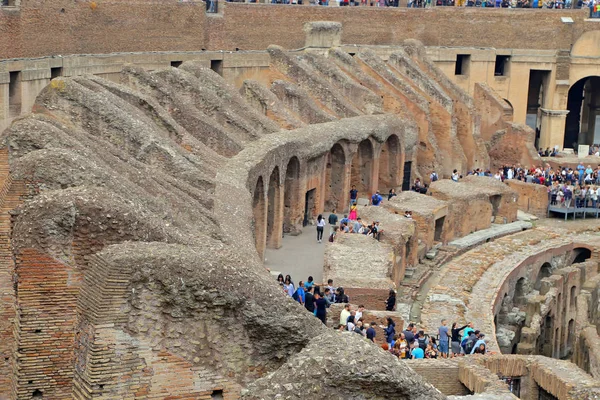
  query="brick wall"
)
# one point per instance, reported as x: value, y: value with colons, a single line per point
x: 44, y: 326
x: 65, y: 27
x: 532, y: 198
x: 442, y: 374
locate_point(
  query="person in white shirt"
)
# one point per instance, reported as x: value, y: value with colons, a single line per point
x: 344, y: 315
x: 320, y: 227
x: 359, y: 313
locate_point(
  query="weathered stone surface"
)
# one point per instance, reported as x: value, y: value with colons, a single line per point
x: 334, y: 366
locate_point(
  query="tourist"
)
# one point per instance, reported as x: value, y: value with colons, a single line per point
x: 456, y: 338
x: 374, y: 230
x: 481, y: 349
x: 359, y: 328
x: 467, y: 331
x: 416, y: 352
x: 344, y: 315
x: 310, y: 283
x: 408, y: 214
x: 400, y: 346
x: 389, y: 331
x: 443, y: 336
x: 422, y: 340
x: 480, y: 342
x: 376, y: 199
x: 350, y: 322
x: 320, y: 228
x: 309, y: 299
x: 344, y: 220
x: 331, y: 289
x: 433, y: 177
x: 299, y: 293
x: 353, y: 213
x: 333, y: 234
x: 391, y: 194
x: 359, y: 313
x: 333, y: 219
x: 409, y: 334
x: 390, y: 303
x: 288, y: 285
x: 455, y: 176
x: 340, y: 296
x: 321, y: 308
x: 358, y: 226
x: 280, y: 279
x: 327, y: 296
x: 371, y: 333
x: 470, y: 341
x: 430, y: 352
x: 353, y: 195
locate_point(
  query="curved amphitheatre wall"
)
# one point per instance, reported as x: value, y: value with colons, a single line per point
x: 509, y: 287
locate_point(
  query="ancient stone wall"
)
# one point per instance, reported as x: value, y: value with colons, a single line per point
x: 40, y: 28
x: 533, y: 198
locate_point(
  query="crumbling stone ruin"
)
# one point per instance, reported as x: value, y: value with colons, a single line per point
x: 136, y: 212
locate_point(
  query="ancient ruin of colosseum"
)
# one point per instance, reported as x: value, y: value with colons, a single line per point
x: 162, y: 161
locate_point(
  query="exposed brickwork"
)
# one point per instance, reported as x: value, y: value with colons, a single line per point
x: 533, y: 198
x: 442, y: 374
x: 44, y: 326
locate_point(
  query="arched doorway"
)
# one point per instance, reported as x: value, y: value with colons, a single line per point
x: 582, y: 125
x: 362, y: 168
x: 334, y: 184
x: 545, y: 272
x: 274, y: 212
x: 389, y: 164
x: 292, y: 206
x: 581, y: 254
x: 259, y: 213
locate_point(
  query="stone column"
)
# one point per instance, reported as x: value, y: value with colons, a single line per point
x: 260, y: 230
x: 277, y: 229
x: 4, y: 82
x: 345, y: 195
x: 553, y: 128
x: 374, y: 176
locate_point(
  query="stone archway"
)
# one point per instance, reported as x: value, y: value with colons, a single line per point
x: 389, y: 164
x: 274, y: 211
x: 582, y: 125
x: 362, y: 168
x: 259, y: 213
x: 335, y: 196
x: 545, y: 272
x: 292, y: 201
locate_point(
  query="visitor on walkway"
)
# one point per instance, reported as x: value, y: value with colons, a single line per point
x: 309, y: 299
x: 333, y: 234
x: 310, y: 282
x: 409, y: 334
x: 353, y: 216
x: 333, y: 219
x: 455, y: 175
x: 340, y: 296
x: 344, y: 315
x: 416, y: 352
x: 371, y: 333
x: 390, y: 303
x: 376, y: 199
x: 288, y: 285
x: 299, y: 293
x: 444, y: 339
x: 456, y: 339
x: 320, y: 228
x: 389, y: 331
x: 392, y: 194
x: 480, y: 342
x: 353, y: 195
x: 321, y: 308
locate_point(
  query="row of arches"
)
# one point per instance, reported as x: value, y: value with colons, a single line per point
x: 322, y: 184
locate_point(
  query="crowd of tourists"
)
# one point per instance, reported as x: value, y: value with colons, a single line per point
x: 593, y: 5
x: 410, y: 343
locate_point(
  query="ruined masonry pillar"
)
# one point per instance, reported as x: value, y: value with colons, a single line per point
x: 344, y: 202
x: 261, y: 228
x: 553, y: 128
x: 374, y: 176
x: 322, y: 189
x: 277, y: 232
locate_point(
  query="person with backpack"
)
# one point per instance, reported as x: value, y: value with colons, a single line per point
x: 422, y: 340
x: 469, y: 343
x: 376, y: 199
x: 299, y: 294
x: 455, y: 338
x: 433, y: 177
x: 309, y: 298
